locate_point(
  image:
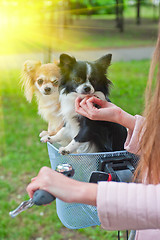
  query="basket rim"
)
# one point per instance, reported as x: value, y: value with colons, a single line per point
x: 89, y: 154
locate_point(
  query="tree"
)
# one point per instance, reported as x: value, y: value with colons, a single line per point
x: 138, y: 5
x: 119, y: 14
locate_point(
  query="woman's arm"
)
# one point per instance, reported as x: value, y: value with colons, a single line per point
x: 120, y: 205
x: 110, y: 112
x: 107, y: 111
x: 128, y: 206
x: 63, y: 187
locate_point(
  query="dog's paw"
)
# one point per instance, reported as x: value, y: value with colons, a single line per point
x: 44, y: 139
x: 43, y: 133
x: 64, y: 151
x: 51, y: 139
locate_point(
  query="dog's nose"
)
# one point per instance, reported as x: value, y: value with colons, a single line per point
x: 47, y: 89
x: 87, y: 88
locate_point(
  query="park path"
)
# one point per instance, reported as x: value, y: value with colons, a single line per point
x: 119, y: 54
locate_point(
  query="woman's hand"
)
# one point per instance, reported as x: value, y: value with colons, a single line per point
x: 107, y: 111
x: 62, y: 187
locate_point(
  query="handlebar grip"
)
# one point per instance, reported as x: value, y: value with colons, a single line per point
x: 42, y: 197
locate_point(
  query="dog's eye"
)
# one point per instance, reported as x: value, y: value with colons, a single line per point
x: 93, y: 80
x: 40, y: 81
x: 78, y: 80
x: 55, y: 82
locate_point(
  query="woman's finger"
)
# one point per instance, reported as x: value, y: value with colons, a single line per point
x: 31, y: 188
x: 83, y: 102
x: 33, y: 179
x: 79, y: 109
x: 78, y: 100
x: 77, y: 103
x: 95, y: 100
x: 83, y: 112
x: 88, y: 109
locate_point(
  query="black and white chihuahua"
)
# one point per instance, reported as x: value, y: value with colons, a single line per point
x: 82, y: 78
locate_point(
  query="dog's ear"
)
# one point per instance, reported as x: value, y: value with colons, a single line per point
x: 30, y: 66
x: 66, y: 61
x: 27, y: 77
x: 104, y: 62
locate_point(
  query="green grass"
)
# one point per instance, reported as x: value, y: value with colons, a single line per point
x: 129, y: 80
x: 22, y: 154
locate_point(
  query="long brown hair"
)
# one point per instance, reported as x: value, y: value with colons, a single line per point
x: 149, y: 164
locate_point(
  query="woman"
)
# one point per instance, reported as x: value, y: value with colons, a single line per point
x: 120, y: 205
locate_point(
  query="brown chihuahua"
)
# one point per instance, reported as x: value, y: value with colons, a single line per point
x: 42, y: 80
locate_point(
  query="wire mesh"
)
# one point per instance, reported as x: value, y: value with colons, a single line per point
x: 75, y: 215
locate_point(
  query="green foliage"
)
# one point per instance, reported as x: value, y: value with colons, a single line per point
x: 22, y: 154
x: 96, y: 6
x: 96, y: 31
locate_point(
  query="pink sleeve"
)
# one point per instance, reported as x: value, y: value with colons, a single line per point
x: 128, y: 205
x: 132, y: 141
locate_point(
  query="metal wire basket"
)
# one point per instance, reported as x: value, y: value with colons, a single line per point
x: 74, y: 215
